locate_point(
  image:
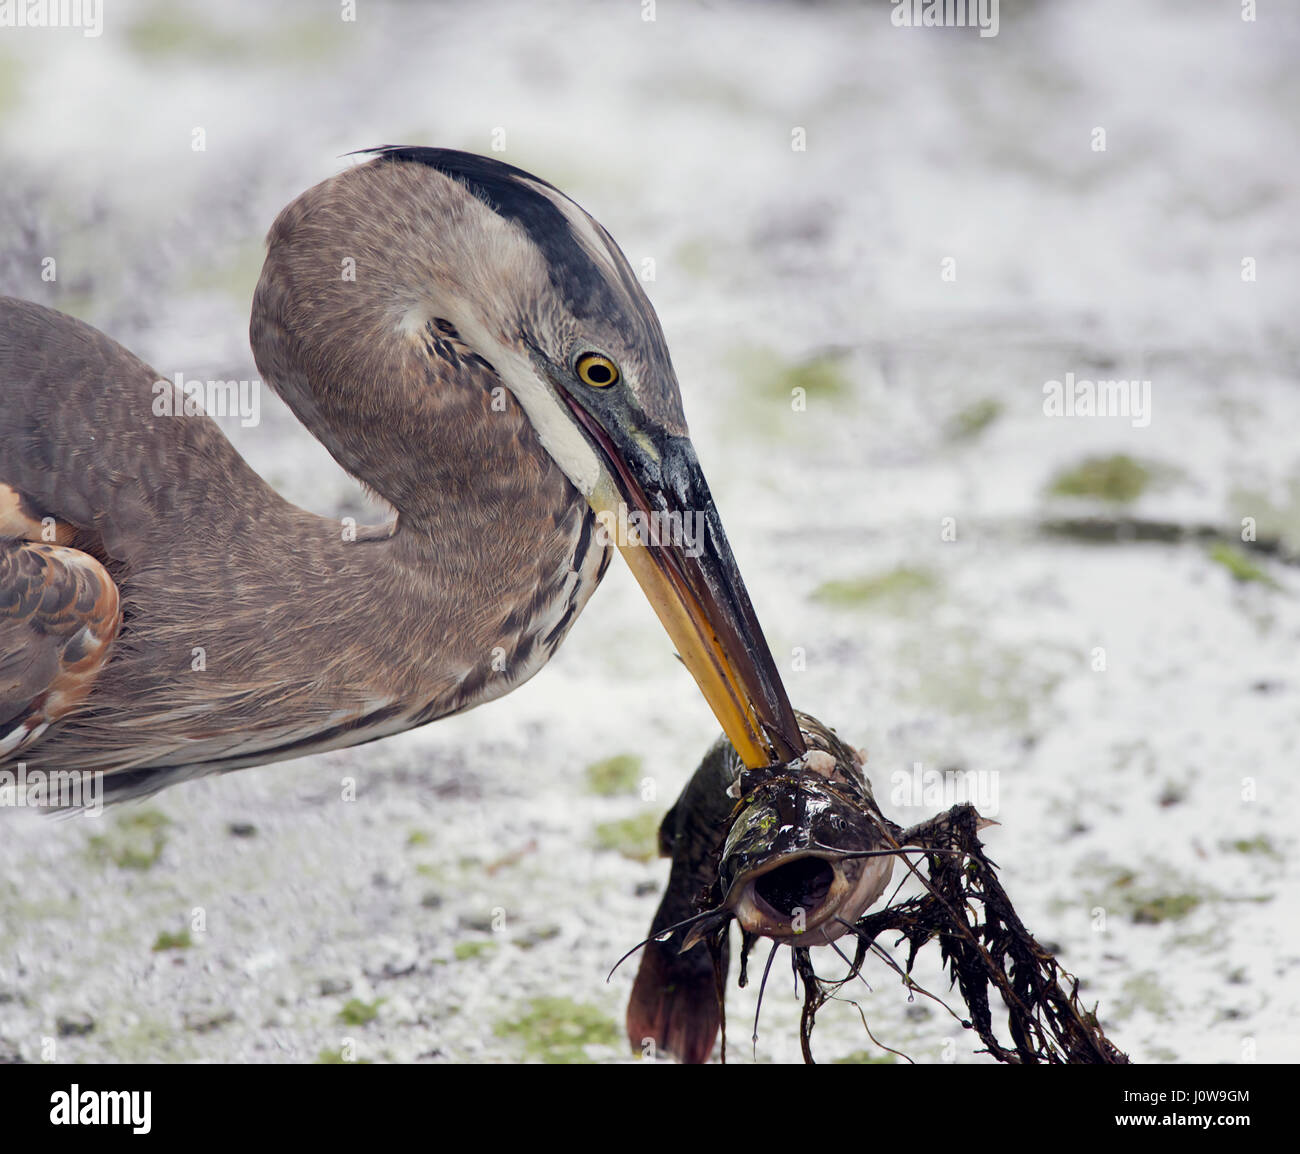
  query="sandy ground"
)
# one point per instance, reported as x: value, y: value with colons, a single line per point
x: 1134, y: 705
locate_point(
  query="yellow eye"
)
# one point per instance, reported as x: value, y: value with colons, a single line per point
x: 595, y: 370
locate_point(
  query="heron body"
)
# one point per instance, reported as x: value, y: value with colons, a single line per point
x: 471, y: 345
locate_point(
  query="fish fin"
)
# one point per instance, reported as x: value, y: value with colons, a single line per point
x: 674, y: 1005
x: 707, y: 924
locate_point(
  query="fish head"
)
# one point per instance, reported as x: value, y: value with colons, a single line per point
x: 793, y: 867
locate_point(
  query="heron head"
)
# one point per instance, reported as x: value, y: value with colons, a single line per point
x: 526, y: 293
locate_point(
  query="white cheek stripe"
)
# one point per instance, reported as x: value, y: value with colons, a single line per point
x: 504, y: 255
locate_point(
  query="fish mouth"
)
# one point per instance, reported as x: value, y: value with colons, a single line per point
x: 808, y: 899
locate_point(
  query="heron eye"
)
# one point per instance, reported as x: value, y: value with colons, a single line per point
x: 593, y: 369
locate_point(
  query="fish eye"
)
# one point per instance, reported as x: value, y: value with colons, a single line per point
x: 596, y: 370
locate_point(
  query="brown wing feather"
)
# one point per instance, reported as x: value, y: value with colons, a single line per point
x: 59, y: 615
x: 80, y: 441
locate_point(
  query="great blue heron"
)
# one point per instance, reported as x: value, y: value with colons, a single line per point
x: 472, y: 346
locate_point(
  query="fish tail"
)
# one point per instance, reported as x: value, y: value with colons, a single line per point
x: 675, y: 1009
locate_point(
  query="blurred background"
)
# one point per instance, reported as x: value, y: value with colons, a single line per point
x: 872, y: 247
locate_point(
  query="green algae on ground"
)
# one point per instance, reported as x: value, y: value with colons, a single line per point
x: 558, y: 1030
x: 886, y: 588
x: 1242, y: 568
x: 135, y: 841
x: 693, y: 257
x: 464, y: 951
x: 170, y: 941
x: 763, y: 372
x: 141, y: 1037
x: 614, y: 775
x: 355, y: 1012
x: 160, y: 33
x: 1150, y: 897
x: 1256, y: 845
x: 968, y: 423
x: 536, y: 936
x: 1118, y: 479
x: 634, y: 837
x: 12, y: 75
x: 336, y: 1058
x: 1270, y: 517
x: 962, y: 671
x: 1147, y: 991
x: 864, y: 1058
x: 1163, y: 908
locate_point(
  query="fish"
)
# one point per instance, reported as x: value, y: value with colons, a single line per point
x: 794, y: 853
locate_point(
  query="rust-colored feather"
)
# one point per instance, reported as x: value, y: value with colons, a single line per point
x: 59, y: 615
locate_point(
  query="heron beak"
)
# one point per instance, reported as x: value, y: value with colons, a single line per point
x: 654, y: 504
